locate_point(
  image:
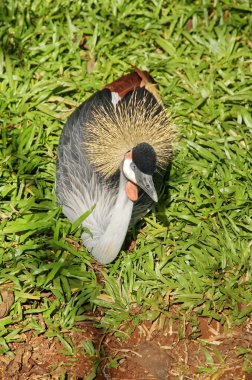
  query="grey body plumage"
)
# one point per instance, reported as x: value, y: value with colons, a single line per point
x: 83, y: 182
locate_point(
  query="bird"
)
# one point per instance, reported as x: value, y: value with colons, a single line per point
x: 112, y: 155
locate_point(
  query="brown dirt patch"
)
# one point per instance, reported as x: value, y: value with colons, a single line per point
x: 165, y: 350
x: 170, y: 351
x: 39, y: 357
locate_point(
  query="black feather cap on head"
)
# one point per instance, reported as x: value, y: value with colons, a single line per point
x: 144, y: 157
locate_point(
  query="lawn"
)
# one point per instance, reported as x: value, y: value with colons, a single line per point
x: 190, y: 258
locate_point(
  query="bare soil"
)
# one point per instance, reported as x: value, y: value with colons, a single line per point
x: 165, y: 350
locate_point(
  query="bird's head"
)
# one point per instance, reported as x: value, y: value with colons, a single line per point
x: 138, y: 167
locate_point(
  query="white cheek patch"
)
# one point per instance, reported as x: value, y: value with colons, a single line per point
x: 115, y: 98
x: 127, y: 170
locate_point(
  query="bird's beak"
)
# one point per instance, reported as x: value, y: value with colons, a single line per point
x: 146, y: 183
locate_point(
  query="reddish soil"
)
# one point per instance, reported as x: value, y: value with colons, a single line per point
x: 164, y: 350
x: 38, y: 357
x: 172, y: 351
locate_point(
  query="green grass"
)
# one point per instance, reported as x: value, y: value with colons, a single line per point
x: 194, y: 249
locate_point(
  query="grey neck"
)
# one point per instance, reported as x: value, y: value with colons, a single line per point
x: 108, y: 246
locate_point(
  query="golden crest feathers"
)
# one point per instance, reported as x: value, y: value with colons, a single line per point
x: 110, y: 134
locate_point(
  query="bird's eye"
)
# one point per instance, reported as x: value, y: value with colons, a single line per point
x: 133, y: 166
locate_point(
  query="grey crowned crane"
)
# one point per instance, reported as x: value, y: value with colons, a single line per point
x: 112, y: 154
